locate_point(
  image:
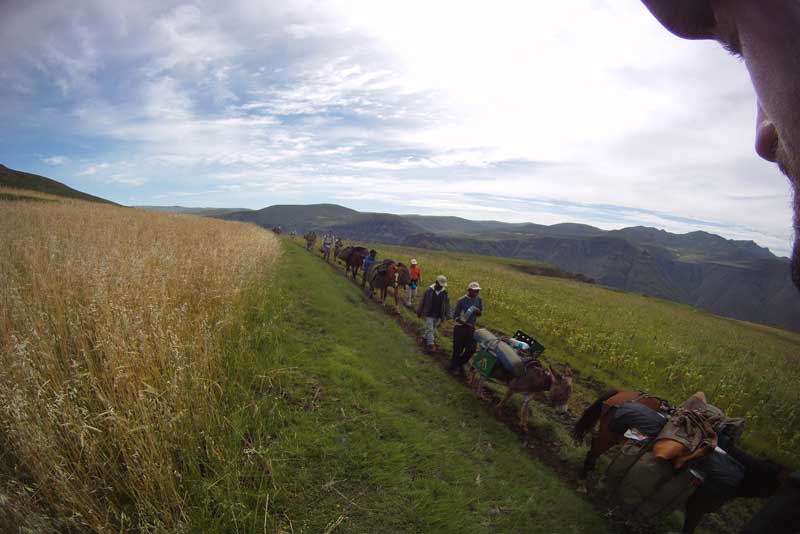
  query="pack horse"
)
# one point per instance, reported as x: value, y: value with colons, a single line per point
x: 353, y: 258
x: 388, y: 274
x: 672, y: 456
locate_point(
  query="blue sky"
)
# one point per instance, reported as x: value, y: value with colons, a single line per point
x: 575, y: 111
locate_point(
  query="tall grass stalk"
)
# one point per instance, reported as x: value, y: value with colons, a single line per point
x: 110, y: 366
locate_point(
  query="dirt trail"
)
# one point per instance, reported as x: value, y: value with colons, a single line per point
x: 536, y: 446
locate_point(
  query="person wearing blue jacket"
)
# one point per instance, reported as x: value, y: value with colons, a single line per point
x: 368, y: 261
x: 468, y: 309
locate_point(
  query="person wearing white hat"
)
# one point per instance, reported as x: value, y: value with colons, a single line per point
x: 434, y: 306
x: 416, y: 280
x: 468, y: 309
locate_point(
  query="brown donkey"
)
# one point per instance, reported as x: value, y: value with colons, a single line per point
x: 536, y: 381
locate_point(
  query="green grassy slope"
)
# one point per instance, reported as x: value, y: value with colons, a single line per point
x: 631, y: 341
x: 34, y: 182
x: 339, y: 423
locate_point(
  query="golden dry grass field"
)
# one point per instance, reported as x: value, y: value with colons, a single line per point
x: 111, y: 321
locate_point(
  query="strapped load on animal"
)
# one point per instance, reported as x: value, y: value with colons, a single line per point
x: 383, y: 266
x: 631, y: 414
x: 666, y: 458
x: 504, y: 350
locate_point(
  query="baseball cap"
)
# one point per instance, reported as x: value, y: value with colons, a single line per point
x: 474, y: 285
x: 441, y: 280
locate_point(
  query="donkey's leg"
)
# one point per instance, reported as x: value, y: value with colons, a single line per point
x: 523, y: 412
x: 700, y: 503
x: 480, y: 386
x: 509, y: 394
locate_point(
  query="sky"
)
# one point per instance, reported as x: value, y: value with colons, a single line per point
x: 582, y: 111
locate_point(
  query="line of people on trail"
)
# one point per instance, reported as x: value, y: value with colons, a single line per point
x: 330, y: 243
x: 434, y: 307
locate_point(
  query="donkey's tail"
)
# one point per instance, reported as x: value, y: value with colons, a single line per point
x: 590, y: 416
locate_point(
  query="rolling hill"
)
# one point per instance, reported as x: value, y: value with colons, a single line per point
x: 34, y: 182
x: 737, y: 279
x: 204, y: 212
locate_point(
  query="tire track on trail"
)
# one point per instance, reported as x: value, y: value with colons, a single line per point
x: 536, y: 445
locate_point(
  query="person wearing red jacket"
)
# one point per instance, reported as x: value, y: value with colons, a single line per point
x: 416, y: 280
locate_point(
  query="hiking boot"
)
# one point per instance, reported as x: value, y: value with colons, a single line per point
x: 457, y: 371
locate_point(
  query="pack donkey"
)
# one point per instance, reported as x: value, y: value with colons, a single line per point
x: 762, y: 477
x: 533, y: 384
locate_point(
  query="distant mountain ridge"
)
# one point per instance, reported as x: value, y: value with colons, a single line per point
x: 34, y: 182
x: 734, y: 278
x: 204, y: 212
x: 738, y: 279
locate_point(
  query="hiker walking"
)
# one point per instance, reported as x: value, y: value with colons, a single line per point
x: 327, y: 243
x: 368, y: 261
x: 416, y: 280
x: 434, y: 306
x: 468, y: 309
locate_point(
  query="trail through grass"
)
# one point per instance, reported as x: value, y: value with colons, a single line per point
x: 339, y: 423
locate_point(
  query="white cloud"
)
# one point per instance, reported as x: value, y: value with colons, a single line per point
x: 578, y: 101
x: 56, y: 160
x: 94, y: 168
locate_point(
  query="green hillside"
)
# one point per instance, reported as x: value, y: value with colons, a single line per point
x: 34, y: 182
x: 203, y: 212
x: 633, y: 341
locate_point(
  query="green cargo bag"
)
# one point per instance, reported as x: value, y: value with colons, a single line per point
x: 628, y: 455
x: 671, y: 494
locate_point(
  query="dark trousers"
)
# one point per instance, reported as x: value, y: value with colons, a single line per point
x: 464, y: 345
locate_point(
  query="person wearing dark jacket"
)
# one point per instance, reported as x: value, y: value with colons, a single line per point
x: 434, y: 306
x: 468, y: 309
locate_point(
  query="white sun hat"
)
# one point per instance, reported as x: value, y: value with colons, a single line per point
x: 413, y: 262
x: 441, y: 280
x: 474, y: 285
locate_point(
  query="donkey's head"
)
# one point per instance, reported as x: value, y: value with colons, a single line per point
x: 561, y: 390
